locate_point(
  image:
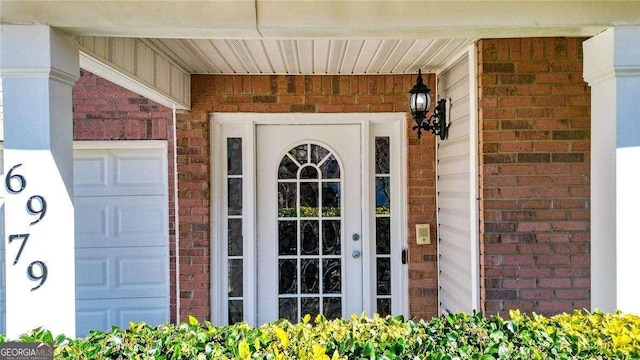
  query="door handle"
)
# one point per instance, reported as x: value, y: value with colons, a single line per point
x: 355, y: 253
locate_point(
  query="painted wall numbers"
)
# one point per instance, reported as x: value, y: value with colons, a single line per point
x: 35, y: 206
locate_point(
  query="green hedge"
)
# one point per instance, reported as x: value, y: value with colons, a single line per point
x: 581, y: 335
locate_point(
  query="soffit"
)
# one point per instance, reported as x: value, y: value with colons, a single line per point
x: 319, y: 56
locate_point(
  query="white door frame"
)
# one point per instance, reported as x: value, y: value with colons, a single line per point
x: 243, y: 125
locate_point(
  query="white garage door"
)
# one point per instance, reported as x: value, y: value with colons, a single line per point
x: 121, y: 218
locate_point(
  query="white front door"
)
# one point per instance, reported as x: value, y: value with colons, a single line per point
x: 308, y: 216
x: 309, y: 221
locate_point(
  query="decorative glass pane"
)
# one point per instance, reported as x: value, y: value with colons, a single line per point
x: 287, y: 238
x: 318, y: 153
x: 309, y: 237
x: 287, y: 199
x: 235, y: 312
x: 235, y: 277
x: 332, y: 276
x: 288, y: 309
x: 287, y: 276
x: 330, y: 168
x: 331, y: 237
x: 384, y: 307
x: 310, y: 306
x: 234, y: 235
x: 309, y: 247
x: 383, y: 266
x: 383, y: 235
x: 310, y: 276
x: 382, y: 155
x: 288, y: 169
x: 332, y: 307
x: 308, y: 199
x: 234, y: 156
x: 331, y: 199
x: 300, y: 153
x: 309, y: 172
x: 235, y: 196
x: 383, y: 191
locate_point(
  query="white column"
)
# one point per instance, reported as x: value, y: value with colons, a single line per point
x: 612, y: 69
x: 38, y: 67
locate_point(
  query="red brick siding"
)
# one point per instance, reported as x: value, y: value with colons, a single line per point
x: 534, y: 123
x: 273, y: 94
x: 105, y: 111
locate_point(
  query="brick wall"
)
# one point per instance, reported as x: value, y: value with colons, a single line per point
x: 534, y: 136
x: 321, y: 94
x: 105, y: 111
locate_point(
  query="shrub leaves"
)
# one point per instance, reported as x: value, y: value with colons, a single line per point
x: 580, y: 335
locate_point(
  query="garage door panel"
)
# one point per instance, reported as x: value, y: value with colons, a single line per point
x: 119, y: 312
x: 92, y: 274
x: 119, y: 172
x: 142, y: 274
x: 153, y: 311
x: 90, y: 173
x: 91, y: 318
x: 121, y: 273
x: 129, y: 167
x: 92, y: 222
x: 140, y: 220
x: 137, y: 221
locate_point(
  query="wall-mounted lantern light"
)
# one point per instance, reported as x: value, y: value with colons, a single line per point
x: 419, y: 104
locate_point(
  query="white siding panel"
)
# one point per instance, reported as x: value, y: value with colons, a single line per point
x: 454, y: 146
x: 453, y: 165
x: 452, y: 183
x: 162, y: 77
x: 139, y: 65
x: 457, y: 260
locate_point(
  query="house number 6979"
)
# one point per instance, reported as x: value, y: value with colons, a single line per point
x: 35, y: 206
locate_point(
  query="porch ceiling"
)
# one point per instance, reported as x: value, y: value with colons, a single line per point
x: 318, y: 36
x: 319, y: 56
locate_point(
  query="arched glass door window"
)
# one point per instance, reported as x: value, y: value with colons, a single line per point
x: 309, y: 233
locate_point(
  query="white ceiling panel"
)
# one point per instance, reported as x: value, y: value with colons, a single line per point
x: 310, y: 56
x: 398, y: 53
x: 259, y: 53
x: 351, y: 55
x: 321, y: 56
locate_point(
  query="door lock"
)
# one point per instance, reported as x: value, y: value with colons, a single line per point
x: 355, y: 237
